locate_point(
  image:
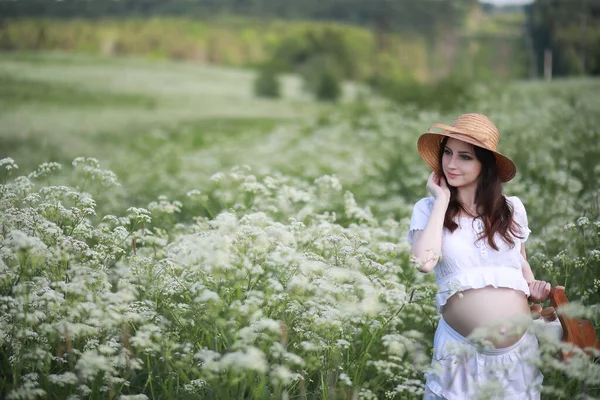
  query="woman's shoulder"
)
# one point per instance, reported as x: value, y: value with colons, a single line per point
x: 426, y: 203
x: 421, y: 212
x: 518, y: 209
x: 515, y: 202
x: 519, y: 214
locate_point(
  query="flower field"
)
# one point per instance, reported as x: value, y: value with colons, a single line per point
x: 270, y: 262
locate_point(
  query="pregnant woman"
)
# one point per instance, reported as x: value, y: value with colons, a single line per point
x: 473, y: 238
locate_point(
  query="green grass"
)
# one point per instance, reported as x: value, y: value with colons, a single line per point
x: 15, y: 92
x: 71, y: 104
x: 190, y: 135
x: 181, y: 122
x: 265, y: 254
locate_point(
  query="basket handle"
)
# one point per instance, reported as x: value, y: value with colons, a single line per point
x: 578, y: 331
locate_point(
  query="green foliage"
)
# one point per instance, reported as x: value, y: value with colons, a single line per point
x: 322, y: 77
x: 328, y: 87
x: 267, y: 83
x: 403, y: 14
x: 114, y: 108
x: 250, y: 42
x: 449, y: 94
x: 571, y: 30
x: 321, y: 55
x: 326, y: 46
x: 288, y: 277
x: 15, y: 92
x: 239, y: 41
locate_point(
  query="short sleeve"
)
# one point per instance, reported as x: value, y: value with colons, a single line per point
x: 520, y: 217
x: 420, y: 216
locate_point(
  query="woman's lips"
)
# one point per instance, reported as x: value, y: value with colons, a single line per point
x: 452, y: 175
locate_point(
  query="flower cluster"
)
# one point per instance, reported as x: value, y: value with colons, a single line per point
x: 286, y: 276
x: 277, y: 290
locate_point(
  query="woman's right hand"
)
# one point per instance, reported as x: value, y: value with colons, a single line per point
x: 438, y: 187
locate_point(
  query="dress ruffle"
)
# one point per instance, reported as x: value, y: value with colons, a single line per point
x: 459, y: 367
x: 477, y: 278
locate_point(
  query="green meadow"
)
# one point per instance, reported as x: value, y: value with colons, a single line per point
x: 183, y: 239
x: 133, y: 114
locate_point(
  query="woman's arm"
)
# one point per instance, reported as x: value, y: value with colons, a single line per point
x: 539, y: 290
x: 527, y: 272
x: 427, y: 244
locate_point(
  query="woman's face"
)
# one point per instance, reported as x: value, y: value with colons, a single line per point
x: 460, y: 165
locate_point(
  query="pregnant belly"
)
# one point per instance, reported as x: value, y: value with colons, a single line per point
x: 492, y: 308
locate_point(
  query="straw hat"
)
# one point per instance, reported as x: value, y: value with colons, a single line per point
x: 475, y: 129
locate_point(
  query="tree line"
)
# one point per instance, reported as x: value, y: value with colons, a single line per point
x: 570, y: 30
x: 422, y: 15
x: 426, y: 18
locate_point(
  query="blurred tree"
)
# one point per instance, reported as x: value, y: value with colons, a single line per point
x: 266, y: 83
x: 384, y: 15
x: 432, y: 19
x: 571, y: 30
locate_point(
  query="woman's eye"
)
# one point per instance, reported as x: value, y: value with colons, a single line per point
x: 447, y: 151
x: 466, y: 157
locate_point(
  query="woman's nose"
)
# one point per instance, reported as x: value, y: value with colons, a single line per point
x: 452, y: 162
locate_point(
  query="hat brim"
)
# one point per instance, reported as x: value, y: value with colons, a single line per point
x: 429, y: 147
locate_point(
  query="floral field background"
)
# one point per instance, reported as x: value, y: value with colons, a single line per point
x: 164, y: 234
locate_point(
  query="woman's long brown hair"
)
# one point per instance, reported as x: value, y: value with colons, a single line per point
x: 497, y: 213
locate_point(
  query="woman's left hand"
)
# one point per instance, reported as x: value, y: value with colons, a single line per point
x: 539, y: 290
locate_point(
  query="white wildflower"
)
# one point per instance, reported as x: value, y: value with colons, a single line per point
x: 282, y: 375
x: 267, y: 324
x: 340, y: 274
x: 345, y: 379
x: 195, y: 193
x: 139, y: 215
x: 395, y: 344
x: 207, y: 356
x: 44, y: 170
x: 366, y: 394
x: 387, y: 247
x: 164, y: 206
x: 582, y: 221
x: 28, y: 390
x: 91, y: 363
x: 253, y: 359
x: 218, y: 177
x: 67, y: 378
x: 309, y: 346
x: 19, y: 240
x: 225, y: 222
x: 8, y: 164
x: 281, y: 234
x: 354, y: 211
x: 195, y: 386
x: 328, y: 182
x: 206, y: 296
x: 313, y: 267
x: 90, y: 167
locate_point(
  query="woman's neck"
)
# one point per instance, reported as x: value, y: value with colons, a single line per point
x: 467, y: 197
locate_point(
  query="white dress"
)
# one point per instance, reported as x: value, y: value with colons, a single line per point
x: 460, y: 367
